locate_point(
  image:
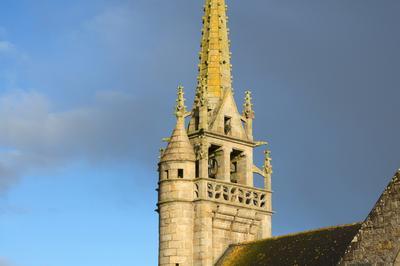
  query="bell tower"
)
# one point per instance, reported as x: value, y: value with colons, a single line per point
x: 207, y: 197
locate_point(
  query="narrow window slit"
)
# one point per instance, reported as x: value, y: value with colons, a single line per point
x: 227, y: 125
x: 180, y: 173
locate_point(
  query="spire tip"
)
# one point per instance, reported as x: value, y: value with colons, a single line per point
x: 180, y: 109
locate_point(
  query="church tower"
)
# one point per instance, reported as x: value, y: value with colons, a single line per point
x: 206, y: 195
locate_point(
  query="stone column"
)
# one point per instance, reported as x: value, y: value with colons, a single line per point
x: 224, y: 162
x: 203, y: 119
x: 242, y: 169
x: 249, y: 169
x: 249, y: 128
x: 203, y: 162
x: 267, y: 183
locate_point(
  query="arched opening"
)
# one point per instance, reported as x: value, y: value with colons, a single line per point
x: 196, y: 121
x: 259, y: 181
x: 197, y: 170
x: 228, y: 125
x: 214, y: 161
x: 237, y: 166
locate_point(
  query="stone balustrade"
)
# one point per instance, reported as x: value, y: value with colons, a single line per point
x: 233, y: 194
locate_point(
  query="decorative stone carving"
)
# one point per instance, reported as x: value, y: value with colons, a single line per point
x: 201, y: 148
x: 248, y: 112
x: 233, y: 194
x: 161, y: 152
x: 180, y: 109
x: 268, y: 163
x: 201, y: 93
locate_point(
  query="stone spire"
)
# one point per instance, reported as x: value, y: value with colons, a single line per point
x: 179, y: 147
x: 215, y: 67
x: 207, y: 200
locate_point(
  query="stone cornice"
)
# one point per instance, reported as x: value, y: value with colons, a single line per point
x: 211, y: 134
x: 233, y: 184
x: 261, y: 210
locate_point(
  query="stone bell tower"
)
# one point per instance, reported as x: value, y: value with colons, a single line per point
x: 207, y: 198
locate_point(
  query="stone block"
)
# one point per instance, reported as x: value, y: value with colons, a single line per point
x: 224, y: 217
x: 247, y: 213
x: 169, y: 252
x: 177, y: 259
x: 227, y: 210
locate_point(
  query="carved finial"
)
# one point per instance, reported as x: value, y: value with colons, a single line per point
x: 248, y: 106
x: 161, y: 153
x: 268, y: 163
x: 180, y: 110
x: 201, y: 93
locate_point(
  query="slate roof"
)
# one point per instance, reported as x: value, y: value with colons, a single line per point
x: 319, y: 247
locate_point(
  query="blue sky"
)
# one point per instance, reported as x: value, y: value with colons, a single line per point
x: 87, y: 90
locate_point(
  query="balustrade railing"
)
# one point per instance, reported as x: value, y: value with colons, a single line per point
x: 231, y: 193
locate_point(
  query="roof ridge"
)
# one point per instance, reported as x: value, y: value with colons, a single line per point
x: 384, y: 194
x: 300, y: 233
x: 381, y: 201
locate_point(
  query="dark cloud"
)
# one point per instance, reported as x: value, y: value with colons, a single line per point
x: 326, y: 83
x: 324, y: 76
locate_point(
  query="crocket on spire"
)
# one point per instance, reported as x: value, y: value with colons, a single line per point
x: 215, y: 67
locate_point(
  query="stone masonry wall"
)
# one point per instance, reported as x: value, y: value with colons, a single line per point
x: 176, y: 234
x: 176, y: 222
x: 378, y: 242
x: 218, y: 225
x: 202, y: 244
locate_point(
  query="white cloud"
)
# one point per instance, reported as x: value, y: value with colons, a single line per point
x: 34, y: 137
